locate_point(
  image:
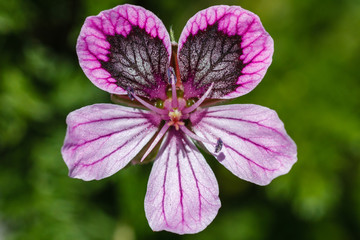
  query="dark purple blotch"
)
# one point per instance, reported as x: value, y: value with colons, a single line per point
x: 138, y: 61
x: 210, y: 56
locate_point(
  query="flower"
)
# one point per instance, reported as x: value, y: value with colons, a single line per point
x: 223, y: 53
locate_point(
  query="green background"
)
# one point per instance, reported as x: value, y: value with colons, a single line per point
x: 313, y: 84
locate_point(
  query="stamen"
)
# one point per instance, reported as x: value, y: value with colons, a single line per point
x: 172, y: 81
x: 197, y: 104
x: 194, y: 136
x: 156, y: 140
x: 171, y: 75
x: 130, y: 92
x: 147, y: 105
x: 219, y: 145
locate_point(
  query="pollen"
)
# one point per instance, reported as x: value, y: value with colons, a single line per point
x: 175, y: 117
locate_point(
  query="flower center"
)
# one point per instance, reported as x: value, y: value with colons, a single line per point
x: 173, y: 110
x: 175, y: 117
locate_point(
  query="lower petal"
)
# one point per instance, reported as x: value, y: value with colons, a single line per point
x: 182, y: 194
x: 256, y: 146
x: 103, y: 138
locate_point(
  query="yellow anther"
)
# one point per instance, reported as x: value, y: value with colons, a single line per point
x: 175, y: 114
x: 175, y: 117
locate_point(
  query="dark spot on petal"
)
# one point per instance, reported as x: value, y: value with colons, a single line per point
x: 210, y: 56
x: 138, y: 61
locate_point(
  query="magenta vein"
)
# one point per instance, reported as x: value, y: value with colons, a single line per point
x: 243, y: 120
x: 108, y: 119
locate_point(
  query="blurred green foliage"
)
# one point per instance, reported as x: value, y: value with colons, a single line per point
x: 313, y: 84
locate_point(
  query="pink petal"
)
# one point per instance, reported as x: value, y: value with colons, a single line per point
x: 182, y: 194
x: 103, y: 138
x: 127, y: 46
x: 256, y: 146
x: 226, y: 45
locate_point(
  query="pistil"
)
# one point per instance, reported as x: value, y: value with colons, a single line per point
x: 175, y: 117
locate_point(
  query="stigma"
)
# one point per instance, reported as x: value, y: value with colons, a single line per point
x: 175, y: 119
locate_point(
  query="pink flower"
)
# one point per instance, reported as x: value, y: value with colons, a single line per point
x: 223, y: 53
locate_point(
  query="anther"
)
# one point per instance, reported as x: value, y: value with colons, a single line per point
x: 171, y: 75
x: 172, y: 80
x: 130, y: 92
x: 219, y: 145
x: 175, y: 117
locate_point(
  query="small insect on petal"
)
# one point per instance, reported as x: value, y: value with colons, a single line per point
x: 253, y: 137
x: 219, y: 145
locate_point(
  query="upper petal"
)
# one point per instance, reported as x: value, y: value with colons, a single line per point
x: 182, y: 194
x: 226, y: 45
x: 127, y: 46
x: 103, y: 138
x: 256, y: 146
